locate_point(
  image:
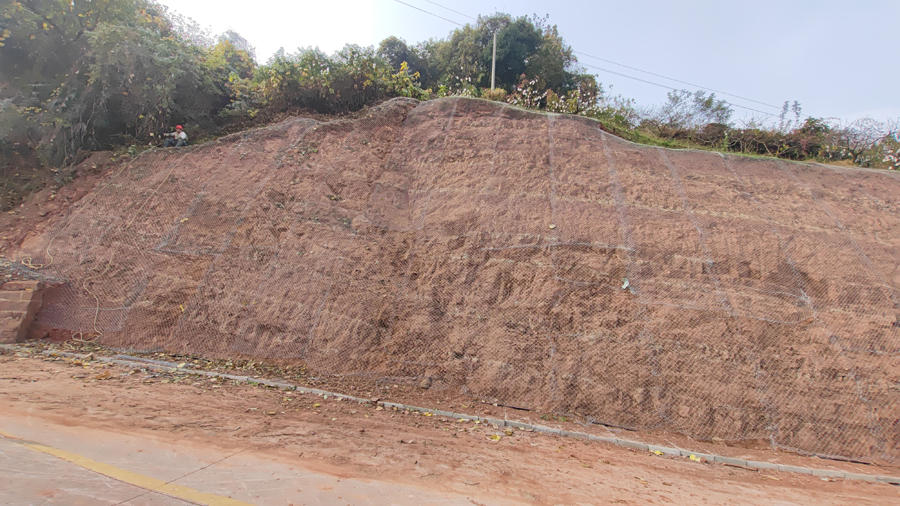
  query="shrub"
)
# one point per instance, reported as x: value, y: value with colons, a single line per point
x: 404, y: 84
x: 309, y: 79
x: 497, y: 94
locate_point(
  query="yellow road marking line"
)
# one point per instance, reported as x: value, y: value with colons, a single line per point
x: 138, y: 480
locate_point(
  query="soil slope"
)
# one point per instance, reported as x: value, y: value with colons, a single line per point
x: 527, y: 259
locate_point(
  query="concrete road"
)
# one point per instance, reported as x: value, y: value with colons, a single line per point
x: 44, y: 463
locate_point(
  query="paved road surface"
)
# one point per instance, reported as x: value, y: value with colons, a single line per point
x: 43, y: 463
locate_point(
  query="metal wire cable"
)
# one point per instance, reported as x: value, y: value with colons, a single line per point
x: 677, y: 80
x: 429, y: 13
x: 767, y: 114
x: 451, y: 10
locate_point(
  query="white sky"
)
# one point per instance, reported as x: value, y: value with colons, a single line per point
x: 838, y: 58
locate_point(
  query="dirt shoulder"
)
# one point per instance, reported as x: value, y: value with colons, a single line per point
x: 365, y: 442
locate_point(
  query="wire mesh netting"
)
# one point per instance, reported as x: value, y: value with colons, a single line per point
x: 526, y: 258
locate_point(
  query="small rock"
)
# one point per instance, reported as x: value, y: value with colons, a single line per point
x: 425, y: 384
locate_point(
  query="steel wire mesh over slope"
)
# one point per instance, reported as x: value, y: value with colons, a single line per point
x: 487, y: 248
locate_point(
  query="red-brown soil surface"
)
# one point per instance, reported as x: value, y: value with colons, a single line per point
x: 486, y: 250
x: 350, y: 440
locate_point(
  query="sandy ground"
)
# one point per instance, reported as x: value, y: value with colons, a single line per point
x: 385, y: 447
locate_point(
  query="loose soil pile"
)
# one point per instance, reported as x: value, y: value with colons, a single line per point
x: 527, y: 259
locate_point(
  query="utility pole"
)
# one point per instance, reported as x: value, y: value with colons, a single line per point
x: 494, y: 62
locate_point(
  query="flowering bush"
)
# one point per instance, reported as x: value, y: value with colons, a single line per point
x: 890, y: 145
x: 891, y: 155
x: 526, y: 94
x: 457, y: 86
x: 865, y: 142
x: 573, y: 102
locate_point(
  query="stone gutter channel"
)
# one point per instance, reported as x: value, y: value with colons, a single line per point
x: 143, y: 363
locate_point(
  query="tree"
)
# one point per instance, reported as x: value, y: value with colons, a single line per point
x: 396, y: 51
x: 458, y: 59
x: 890, y: 145
x: 859, y: 140
x: 239, y: 43
x: 686, y: 111
x: 784, y: 123
x: 526, y: 47
x: 132, y: 83
x: 96, y: 73
x: 228, y: 64
x: 42, y: 39
x: 554, y: 63
x: 517, y: 41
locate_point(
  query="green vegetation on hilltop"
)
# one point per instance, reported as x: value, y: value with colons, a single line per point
x: 84, y: 75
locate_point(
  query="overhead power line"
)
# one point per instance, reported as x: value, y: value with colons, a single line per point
x: 666, y: 87
x: 677, y: 81
x: 451, y: 10
x: 430, y: 13
x: 614, y: 63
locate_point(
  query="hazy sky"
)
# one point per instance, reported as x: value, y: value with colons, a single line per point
x: 838, y: 58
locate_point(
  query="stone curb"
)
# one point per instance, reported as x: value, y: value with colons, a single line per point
x: 139, y: 363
